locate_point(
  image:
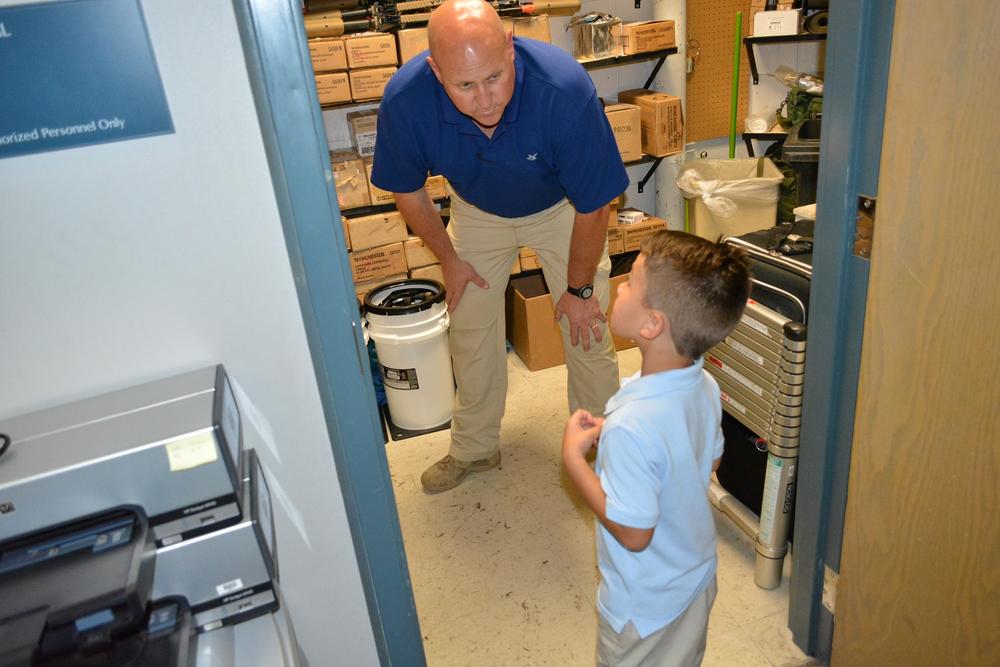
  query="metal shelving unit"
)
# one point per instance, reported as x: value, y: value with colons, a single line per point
x: 381, y: 208
x: 777, y: 39
x: 748, y: 138
x: 660, y: 57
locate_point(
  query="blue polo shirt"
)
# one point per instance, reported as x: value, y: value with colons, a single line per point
x: 553, y: 140
x: 661, y: 434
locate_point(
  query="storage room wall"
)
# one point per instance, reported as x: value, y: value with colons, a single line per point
x: 766, y: 96
x: 126, y: 262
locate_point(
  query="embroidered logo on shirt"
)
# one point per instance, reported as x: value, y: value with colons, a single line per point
x: 532, y: 157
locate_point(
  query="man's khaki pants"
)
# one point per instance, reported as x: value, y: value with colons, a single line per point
x: 490, y: 243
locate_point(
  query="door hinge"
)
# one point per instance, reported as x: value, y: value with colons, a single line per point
x: 830, y: 579
x: 864, y: 228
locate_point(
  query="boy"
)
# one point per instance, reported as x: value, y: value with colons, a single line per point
x: 660, y: 441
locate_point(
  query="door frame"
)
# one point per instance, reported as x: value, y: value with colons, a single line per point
x: 291, y: 123
x: 280, y: 74
x: 856, y: 77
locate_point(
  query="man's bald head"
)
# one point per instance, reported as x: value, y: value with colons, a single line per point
x: 458, y: 25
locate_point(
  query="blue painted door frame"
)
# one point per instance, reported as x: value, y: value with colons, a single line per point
x: 857, y: 70
x: 281, y: 77
x: 291, y: 124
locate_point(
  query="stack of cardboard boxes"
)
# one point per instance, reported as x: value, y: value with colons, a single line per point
x: 646, y: 122
x: 354, y: 67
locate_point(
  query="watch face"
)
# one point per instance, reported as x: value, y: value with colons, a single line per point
x: 586, y: 291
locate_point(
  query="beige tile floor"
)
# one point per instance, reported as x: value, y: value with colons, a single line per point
x: 503, y: 567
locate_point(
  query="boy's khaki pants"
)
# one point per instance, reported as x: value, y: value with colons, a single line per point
x: 681, y: 643
x: 478, y: 351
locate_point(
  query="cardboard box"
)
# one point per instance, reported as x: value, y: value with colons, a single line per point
x: 616, y: 241
x: 327, y: 54
x: 368, y: 231
x: 370, y: 49
x: 369, y: 84
x: 661, y: 121
x: 779, y: 22
x: 515, y: 268
x: 528, y: 259
x: 377, y: 195
x: 633, y: 235
x: 429, y: 272
x: 333, y: 88
x: 435, y: 186
x: 644, y: 36
x: 412, y: 41
x: 349, y: 179
x: 531, y: 326
x: 361, y: 289
x: 363, y: 126
x: 418, y: 254
x: 626, y: 124
x: 379, y: 262
x: 533, y: 27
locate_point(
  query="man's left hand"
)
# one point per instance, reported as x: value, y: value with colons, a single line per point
x: 585, y: 318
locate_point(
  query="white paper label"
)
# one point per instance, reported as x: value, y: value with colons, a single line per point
x: 192, y: 451
x: 746, y: 351
x: 742, y: 379
x: 754, y: 324
x: 733, y: 403
x: 229, y: 587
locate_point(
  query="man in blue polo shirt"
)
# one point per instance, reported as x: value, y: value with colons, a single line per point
x: 517, y: 129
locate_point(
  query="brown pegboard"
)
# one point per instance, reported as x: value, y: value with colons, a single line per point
x: 709, y: 86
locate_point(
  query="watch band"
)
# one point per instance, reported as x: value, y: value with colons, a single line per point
x: 582, y: 292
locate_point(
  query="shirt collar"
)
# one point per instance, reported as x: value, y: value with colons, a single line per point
x: 514, y: 106
x: 639, y: 386
x: 451, y: 115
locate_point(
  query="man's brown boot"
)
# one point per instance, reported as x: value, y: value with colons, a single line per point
x: 449, y: 472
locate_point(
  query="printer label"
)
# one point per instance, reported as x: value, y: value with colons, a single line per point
x: 229, y: 587
x: 6, y: 508
x: 192, y: 451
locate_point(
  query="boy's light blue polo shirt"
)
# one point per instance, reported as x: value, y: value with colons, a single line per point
x: 553, y: 141
x: 661, y: 435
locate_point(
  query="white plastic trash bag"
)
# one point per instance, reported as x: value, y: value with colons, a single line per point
x: 723, y: 185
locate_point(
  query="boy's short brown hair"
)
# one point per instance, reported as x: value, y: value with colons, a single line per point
x: 702, y: 287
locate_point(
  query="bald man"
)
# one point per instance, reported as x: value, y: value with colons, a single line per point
x: 516, y: 127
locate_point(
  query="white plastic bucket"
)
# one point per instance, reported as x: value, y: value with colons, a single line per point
x: 408, y: 320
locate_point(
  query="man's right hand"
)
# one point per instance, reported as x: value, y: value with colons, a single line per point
x: 457, y: 275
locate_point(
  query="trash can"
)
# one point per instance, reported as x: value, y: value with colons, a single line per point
x: 730, y: 197
x: 801, y: 152
x: 408, y: 321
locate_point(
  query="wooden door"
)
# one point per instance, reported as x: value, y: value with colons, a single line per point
x: 920, y: 570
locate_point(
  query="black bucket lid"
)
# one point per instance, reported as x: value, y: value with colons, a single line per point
x: 404, y: 297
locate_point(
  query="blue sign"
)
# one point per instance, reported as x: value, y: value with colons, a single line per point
x: 77, y: 73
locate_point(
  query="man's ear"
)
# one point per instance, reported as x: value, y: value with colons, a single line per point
x: 434, y: 68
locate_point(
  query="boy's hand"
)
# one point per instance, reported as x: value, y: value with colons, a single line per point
x: 582, y: 432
